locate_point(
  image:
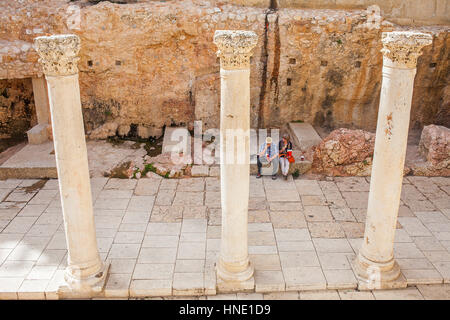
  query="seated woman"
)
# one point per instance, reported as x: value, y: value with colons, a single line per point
x: 284, y: 146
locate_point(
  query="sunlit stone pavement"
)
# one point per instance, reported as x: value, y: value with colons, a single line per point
x: 162, y: 238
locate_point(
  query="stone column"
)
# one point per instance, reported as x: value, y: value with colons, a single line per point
x: 375, y: 265
x: 234, y: 270
x: 39, y: 133
x: 85, y: 272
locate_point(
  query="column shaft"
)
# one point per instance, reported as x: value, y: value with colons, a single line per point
x: 73, y: 175
x: 41, y: 100
x: 40, y: 132
x: 85, y: 272
x: 388, y: 162
x: 235, y: 177
x: 375, y: 266
x: 235, y: 48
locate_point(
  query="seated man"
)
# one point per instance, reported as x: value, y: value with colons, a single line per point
x: 268, y: 154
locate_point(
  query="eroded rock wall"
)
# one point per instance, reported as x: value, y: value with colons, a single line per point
x: 405, y: 12
x: 17, y: 109
x: 153, y: 63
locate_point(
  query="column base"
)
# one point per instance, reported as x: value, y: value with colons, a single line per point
x: 375, y: 275
x: 84, y: 288
x: 223, y: 286
x: 228, y: 282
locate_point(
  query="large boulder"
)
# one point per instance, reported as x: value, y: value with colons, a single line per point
x: 434, y: 145
x: 344, y: 152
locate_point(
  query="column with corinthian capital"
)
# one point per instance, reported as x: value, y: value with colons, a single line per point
x: 375, y: 265
x: 234, y: 270
x: 85, y: 273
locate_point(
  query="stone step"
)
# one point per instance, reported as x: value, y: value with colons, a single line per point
x: 34, y: 161
x: 37, y: 161
x: 304, y: 135
x: 301, y: 166
x: 176, y: 139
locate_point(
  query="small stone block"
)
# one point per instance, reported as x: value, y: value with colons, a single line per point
x: 188, y: 284
x: 304, y: 278
x: 117, y: 286
x: 199, y: 171
x: 38, y: 134
x: 340, y: 279
x: 269, y: 281
x: 150, y: 288
x: 214, y: 171
x: 235, y: 286
x: 427, y: 276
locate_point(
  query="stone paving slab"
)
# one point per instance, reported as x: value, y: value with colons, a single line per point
x: 37, y: 161
x: 162, y: 238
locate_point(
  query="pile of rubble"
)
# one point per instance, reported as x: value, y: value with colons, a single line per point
x: 344, y: 152
x: 434, y: 145
x: 347, y: 152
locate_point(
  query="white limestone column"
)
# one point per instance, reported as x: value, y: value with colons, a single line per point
x: 375, y: 265
x: 39, y: 133
x: 58, y: 55
x: 234, y: 270
x: 41, y: 100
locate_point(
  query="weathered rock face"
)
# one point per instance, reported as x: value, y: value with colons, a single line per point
x: 152, y: 64
x: 345, y: 152
x: 435, y: 145
x: 17, y: 109
x: 404, y: 12
x: 104, y: 131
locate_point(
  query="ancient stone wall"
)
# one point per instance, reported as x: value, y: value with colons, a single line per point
x: 404, y: 12
x: 153, y: 64
x: 17, y: 110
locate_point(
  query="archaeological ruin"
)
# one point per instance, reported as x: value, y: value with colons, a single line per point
x: 133, y: 135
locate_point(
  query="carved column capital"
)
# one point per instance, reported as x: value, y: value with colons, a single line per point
x: 235, y: 48
x: 58, y: 54
x: 404, y: 47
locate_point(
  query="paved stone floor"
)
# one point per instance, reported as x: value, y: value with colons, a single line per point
x: 162, y: 237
